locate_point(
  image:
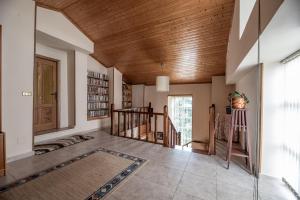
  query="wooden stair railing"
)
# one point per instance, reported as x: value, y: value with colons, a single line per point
x: 210, y: 145
x: 137, y: 123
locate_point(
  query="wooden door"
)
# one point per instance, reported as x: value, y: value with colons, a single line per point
x: 2, y: 135
x: 45, y: 95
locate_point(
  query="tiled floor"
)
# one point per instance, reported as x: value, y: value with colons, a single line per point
x: 168, y: 174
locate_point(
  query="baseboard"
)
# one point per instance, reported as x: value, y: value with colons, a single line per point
x: 20, y: 156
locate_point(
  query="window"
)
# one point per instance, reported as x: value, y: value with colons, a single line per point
x: 291, y: 114
x: 180, y: 111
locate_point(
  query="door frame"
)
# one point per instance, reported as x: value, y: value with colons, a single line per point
x: 0, y: 77
x: 57, y: 90
x: 184, y: 95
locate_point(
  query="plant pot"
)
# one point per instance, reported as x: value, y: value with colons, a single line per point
x: 238, y: 103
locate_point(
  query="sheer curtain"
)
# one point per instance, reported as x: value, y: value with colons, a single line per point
x: 291, y: 124
x: 180, y: 111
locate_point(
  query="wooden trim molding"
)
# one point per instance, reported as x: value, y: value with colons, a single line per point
x: 2, y: 135
x: 2, y: 155
x: 0, y: 77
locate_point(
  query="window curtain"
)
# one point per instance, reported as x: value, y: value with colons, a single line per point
x: 291, y: 124
x: 180, y: 111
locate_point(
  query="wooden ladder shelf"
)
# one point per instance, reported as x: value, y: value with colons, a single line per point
x: 239, y: 122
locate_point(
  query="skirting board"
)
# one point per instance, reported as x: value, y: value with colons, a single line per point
x: 20, y: 156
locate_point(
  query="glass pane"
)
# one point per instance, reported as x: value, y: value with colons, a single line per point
x: 180, y: 109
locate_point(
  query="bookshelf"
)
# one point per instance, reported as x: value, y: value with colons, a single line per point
x: 97, y: 95
x: 127, y: 95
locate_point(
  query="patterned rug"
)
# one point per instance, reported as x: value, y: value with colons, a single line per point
x: 40, y: 149
x: 90, y: 176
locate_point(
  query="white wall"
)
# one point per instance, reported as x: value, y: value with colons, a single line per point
x: 110, y: 72
x: 201, y: 101
x: 95, y: 66
x: 71, y: 88
x: 272, y: 129
x: 57, y: 25
x: 248, y: 84
x: 280, y: 39
x: 83, y: 63
x: 118, y: 79
x: 246, y: 8
x: 62, y: 57
x: 138, y: 95
x: 219, y: 93
x: 17, y: 20
x: 56, y: 30
x: 238, y: 47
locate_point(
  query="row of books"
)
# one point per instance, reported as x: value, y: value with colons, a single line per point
x: 97, y: 105
x: 97, y: 113
x: 97, y: 75
x: 92, y: 97
x: 98, y: 90
x: 98, y: 82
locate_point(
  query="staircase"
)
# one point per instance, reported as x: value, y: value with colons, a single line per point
x: 143, y: 124
x: 205, y: 147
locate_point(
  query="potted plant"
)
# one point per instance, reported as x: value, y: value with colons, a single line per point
x: 238, y: 100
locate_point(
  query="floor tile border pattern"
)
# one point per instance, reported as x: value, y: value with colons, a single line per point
x: 107, y: 187
x: 103, y: 190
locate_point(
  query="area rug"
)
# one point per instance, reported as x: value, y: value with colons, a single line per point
x: 40, y: 149
x: 90, y: 176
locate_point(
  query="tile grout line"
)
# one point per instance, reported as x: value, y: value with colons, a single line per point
x: 181, y: 176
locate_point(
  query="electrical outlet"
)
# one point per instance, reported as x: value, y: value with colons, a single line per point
x: 26, y: 93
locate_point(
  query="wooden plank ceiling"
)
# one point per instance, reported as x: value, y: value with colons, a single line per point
x: 189, y: 36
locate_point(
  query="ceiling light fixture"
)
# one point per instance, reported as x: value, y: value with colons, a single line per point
x: 162, y: 82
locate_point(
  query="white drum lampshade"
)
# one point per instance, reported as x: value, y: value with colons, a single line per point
x: 162, y: 83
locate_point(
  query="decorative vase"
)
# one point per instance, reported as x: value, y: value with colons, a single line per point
x: 238, y: 103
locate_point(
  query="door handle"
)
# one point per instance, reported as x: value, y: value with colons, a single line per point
x: 53, y: 93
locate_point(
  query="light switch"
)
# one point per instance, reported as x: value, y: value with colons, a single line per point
x: 26, y: 93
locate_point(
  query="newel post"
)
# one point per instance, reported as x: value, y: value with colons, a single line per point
x: 166, y: 127
x: 112, y: 119
x: 150, y: 111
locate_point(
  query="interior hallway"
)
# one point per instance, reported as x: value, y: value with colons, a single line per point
x: 167, y: 174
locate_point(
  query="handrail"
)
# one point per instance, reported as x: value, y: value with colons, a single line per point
x: 131, y: 119
x: 195, y: 141
x: 137, y: 112
x: 171, y: 136
x: 136, y: 123
x: 212, y: 130
x: 177, y: 134
x: 129, y: 109
x: 186, y: 144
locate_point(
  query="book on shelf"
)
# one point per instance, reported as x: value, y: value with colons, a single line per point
x: 97, y: 95
x: 126, y: 95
